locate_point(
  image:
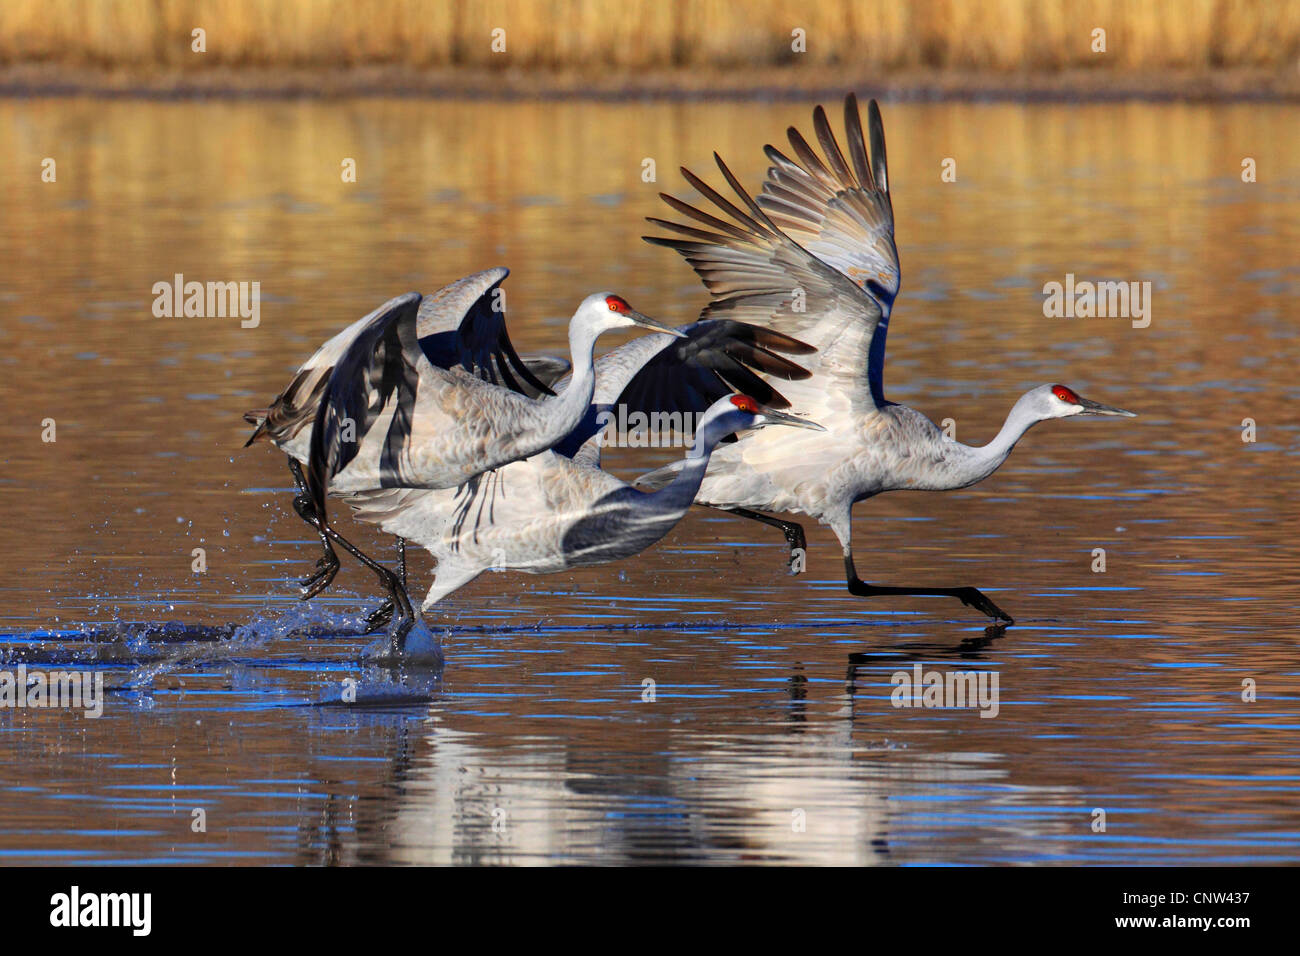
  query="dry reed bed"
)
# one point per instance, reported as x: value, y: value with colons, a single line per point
x: 998, y: 36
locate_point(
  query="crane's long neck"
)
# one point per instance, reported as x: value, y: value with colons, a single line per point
x: 565, y: 410
x: 679, y: 493
x: 980, y: 462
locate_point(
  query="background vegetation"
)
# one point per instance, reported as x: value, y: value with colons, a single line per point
x: 1000, y: 36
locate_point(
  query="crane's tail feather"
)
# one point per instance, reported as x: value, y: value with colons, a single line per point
x: 257, y: 418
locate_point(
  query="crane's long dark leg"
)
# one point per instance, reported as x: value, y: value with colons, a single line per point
x: 793, y: 532
x: 971, y: 597
x: 328, y: 564
x: 378, y: 619
x: 396, y: 590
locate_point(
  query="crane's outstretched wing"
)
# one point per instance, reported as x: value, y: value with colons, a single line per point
x: 813, y: 258
x: 715, y: 359
x: 667, y: 375
x: 461, y: 325
x: 381, y: 363
x: 464, y: 325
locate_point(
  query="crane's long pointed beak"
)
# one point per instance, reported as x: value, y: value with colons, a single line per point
x: 646, y: 322
x: 772, y: 417
x: 1096, y: 408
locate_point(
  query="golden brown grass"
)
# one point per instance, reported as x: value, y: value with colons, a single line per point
x: 1005, y: 36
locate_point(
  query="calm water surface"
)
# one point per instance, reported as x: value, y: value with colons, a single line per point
x: 1119, y: 691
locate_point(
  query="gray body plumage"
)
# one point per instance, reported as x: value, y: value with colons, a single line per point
x: 391, y: 418
x: 545, y: 514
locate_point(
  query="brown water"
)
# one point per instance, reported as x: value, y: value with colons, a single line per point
x: 1119, y: 690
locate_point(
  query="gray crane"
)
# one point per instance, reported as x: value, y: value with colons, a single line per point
x: 814, y: 258
x: 436, y: 426
x: 460, y: 329
x: 550, y: 512
x: 460, y: 326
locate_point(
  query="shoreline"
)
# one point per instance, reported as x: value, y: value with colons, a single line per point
x: 763, y: 84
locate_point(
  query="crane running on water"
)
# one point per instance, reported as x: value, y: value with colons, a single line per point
x: 436, y: 426
x: 459, y: 326
x: 814, y: 258
x: 552, y: 512
x: 461, y: 329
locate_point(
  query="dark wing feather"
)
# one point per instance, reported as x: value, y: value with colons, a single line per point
x: 379, y: 364
x: 691, y: 374
x: 664, y: 374
x: 459, y: 326
x: 464, y: 326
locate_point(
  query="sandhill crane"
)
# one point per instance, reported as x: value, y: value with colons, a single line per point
x: 815, y: 258
x: 461, y: 325
x: 448, y: 424
x: 679, y: 370
x: 550, y: 512
x: 443, y: 426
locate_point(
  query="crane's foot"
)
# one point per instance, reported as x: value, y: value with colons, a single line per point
x: 306, y: 510
x: 794, y: 537
x: 380, y: 617
x: 971, y: 597
x: 793, y: 531
x: 396, y: 612
x: 322, y: 577
x: 328, y: 564
x: 403, y: 616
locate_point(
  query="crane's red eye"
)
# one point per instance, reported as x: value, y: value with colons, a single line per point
x: 1065, y: 395
x: 745, y: 404
x: 616, y: 303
